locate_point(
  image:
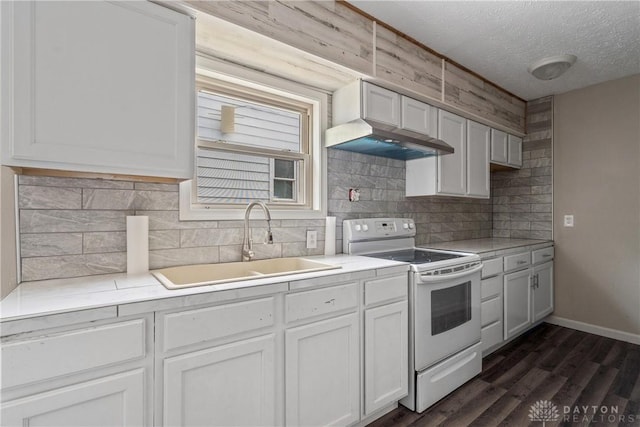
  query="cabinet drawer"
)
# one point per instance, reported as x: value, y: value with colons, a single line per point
x: 520, y: 260
x: 491, y: 335
x: 490, y: 288
x: 542, y: 255
x: 491, y: 267
x: 384, y: 289
x: 317, y: 302
x: 48, y: 357
x: 210, y: 323
x: 491, y: 311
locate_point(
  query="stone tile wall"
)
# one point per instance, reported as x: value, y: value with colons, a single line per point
x: 522, y: 199
x: 381, y: 183
x: 73, y: 227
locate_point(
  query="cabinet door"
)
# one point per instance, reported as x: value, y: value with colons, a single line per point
x: 98, y: 87
x: 517, y: 303
x: 478, y: 140
x: 452, y: 168
x: 228, y: 385
x: 115, y: 400
x: 385, y: 355
x: 515, y: 151
x: 380, y: 105
x: 419, y: 117
x: 499, y: 146
x: 322, y: 373
x: 543, y: 292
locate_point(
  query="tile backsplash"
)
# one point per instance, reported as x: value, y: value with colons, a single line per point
x: 73, y: 227
x: 381, y: 182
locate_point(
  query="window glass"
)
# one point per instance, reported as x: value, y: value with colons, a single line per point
x: 250, y: 146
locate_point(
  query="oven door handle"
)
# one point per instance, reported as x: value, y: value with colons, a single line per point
x: 428, y: 278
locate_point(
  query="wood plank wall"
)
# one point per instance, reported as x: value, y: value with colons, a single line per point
x: 336, y: 32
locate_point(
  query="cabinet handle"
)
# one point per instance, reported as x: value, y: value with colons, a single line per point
x: 521, y: 262
x: 546, y: 255
x: 535, y: 279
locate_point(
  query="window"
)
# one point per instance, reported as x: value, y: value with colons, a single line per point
x: 255, y: 142
x: 250, y: 147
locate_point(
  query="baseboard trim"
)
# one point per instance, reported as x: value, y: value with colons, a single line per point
x: 594, y: 329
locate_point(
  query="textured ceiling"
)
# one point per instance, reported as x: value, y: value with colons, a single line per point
x: 499, y: 39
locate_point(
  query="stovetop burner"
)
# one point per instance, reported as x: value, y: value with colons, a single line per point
x: 415, y: 256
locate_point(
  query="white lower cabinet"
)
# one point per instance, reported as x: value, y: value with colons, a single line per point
x: 232, y: 384
x: 385, y: 355
x: 517, y: 303
x: 89, y: 374
x: 491, y: 309
x: 528, y: 294
x: 542, y: 291
x: 320, y: 356
x: 218, y: 364
x: 322, y: 372
x: 115, y: 400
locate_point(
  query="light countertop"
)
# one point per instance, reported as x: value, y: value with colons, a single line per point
x: 121, y: 294
x: 488, y: 246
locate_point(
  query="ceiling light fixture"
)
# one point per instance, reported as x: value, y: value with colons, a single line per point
x: 551, y: 67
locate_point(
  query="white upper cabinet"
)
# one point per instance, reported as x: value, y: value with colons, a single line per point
x: 381, y: 105
x: 515, y: 151
x: 464, y: 173
x: 499, y: 146
x: 98, y: 86
x: 478, y: 141
x: 452, y: 170
x: 419, y: 117
x: 506, y: 149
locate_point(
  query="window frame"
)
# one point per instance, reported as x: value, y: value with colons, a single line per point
x: 250, y: 81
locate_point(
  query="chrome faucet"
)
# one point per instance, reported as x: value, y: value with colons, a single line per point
x: 247, y: 242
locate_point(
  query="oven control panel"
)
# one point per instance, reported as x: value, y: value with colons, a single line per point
x: 354, y: 230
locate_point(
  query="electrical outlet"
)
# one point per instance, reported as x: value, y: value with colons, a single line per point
x: 312, y: 239
x: 568, y: 220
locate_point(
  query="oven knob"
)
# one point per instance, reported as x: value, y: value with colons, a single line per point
x: 411, y: 225
x: 365, y: 227
x: 357, y: 227
x: 405, y: 226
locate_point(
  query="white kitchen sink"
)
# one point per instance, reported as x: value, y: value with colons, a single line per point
x: 211, y: 274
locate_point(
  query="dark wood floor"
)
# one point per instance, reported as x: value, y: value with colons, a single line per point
x: 569, y: 368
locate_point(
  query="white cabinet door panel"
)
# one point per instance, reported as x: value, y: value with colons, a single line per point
x: 499, y: 146
x: 98, y: 87
x: 386, y: 356
x: 478, y: 141
x: 419, y: 117
x: 229, y: 385
x: 381, y: 105
x: 515, y: 151
x: 543, y: 293
x: 517, y: 303
x: 452, y: 168
x: 116, y: 400
x: 322, y: 373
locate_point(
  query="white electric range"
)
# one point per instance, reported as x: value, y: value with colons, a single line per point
x: 444, y: 306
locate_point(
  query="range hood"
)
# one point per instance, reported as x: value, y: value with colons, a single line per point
x: 379, y: 139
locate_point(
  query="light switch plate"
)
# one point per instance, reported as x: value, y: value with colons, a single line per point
x: 568, y: 220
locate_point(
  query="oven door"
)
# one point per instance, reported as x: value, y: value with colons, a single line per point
x: 446, y: 314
